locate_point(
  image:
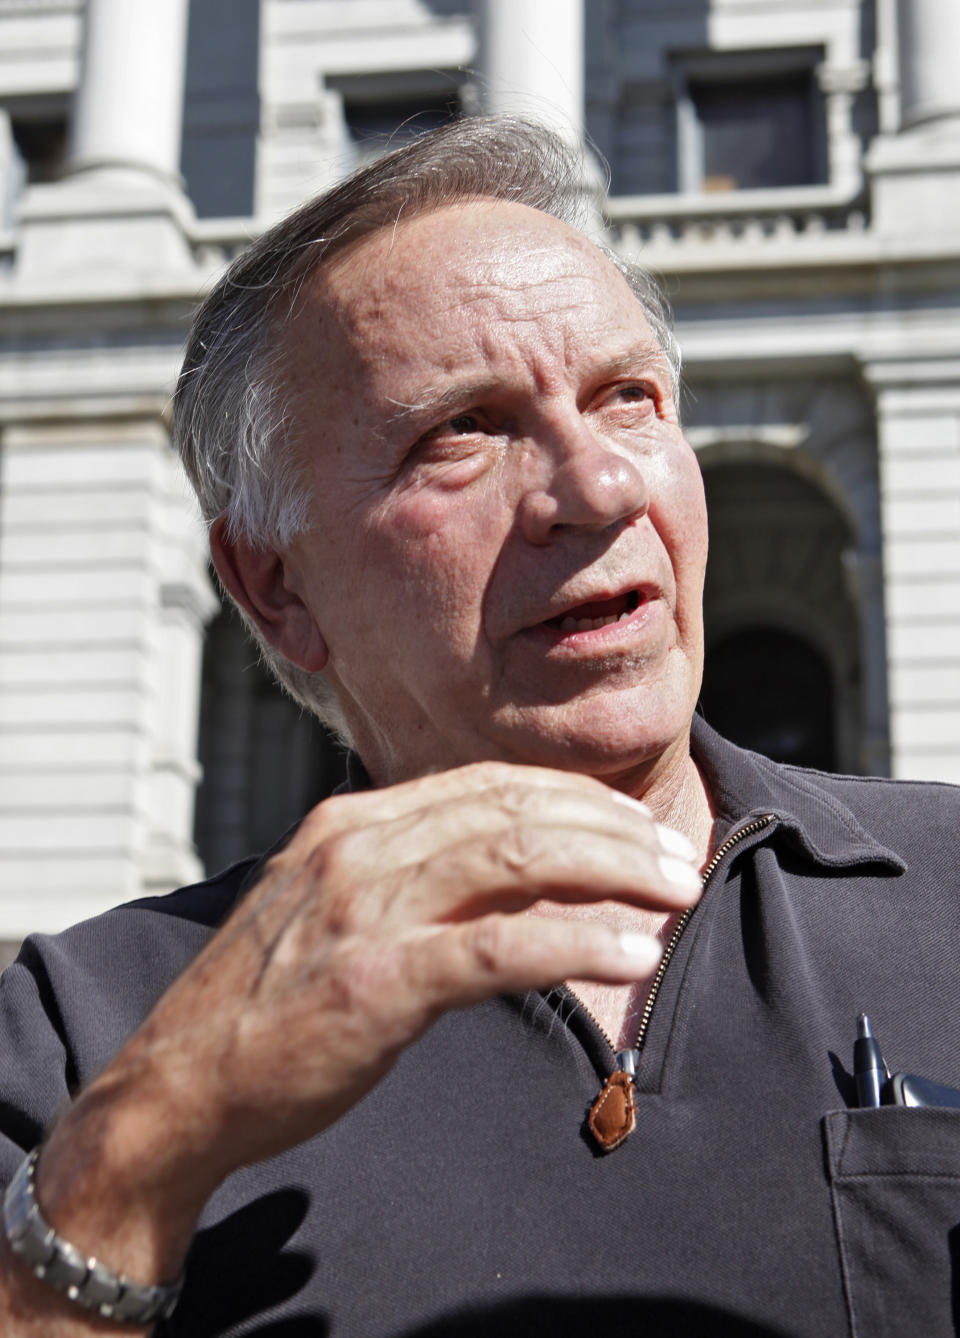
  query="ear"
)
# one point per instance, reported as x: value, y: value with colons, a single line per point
x: 257, y: 579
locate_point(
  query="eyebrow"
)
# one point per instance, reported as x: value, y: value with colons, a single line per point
x: 642, y: 359
x: 436, y: 401
x: 441, y: 400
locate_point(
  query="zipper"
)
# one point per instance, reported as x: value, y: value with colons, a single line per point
x: 628, y: 1061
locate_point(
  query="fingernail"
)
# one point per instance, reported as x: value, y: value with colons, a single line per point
x: 628, y: 799
x: 675, y: 843
x: 641, y: 949
x: 679, y: 873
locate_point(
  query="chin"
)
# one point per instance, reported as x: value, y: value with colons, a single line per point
x: 602, y: 739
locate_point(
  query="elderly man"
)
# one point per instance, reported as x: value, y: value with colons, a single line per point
x: 343, y: 1089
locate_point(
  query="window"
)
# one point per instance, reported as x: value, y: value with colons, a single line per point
x: 374, y: 127
x: 750, y: 121
x: 33, y: 147
x: 264, y: 761
x: 383, y: 111
x: 41, y: 144
x: 756, y: 134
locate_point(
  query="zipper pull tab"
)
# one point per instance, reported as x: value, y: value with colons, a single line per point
x: 628, y: 1061
x: 612, y: 1118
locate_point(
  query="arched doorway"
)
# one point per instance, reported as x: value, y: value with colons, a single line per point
x: 782, y: 667
x: 771, y: 691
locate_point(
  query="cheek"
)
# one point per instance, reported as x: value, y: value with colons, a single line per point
x: 434, y: 556
x: 680, y: 514
x: 444, y: 537
x: 464, y: 498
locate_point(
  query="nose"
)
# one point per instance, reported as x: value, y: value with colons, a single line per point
x: 583, y: 482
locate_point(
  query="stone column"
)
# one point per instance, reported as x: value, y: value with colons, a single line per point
x: 120, y: 209
x: 918, y: 436
x: 12, y: 172
x: 185, y: 604
x: 531, y: 60
x: 916, y: 172
x: 929, y: 42
x: 129, y: 104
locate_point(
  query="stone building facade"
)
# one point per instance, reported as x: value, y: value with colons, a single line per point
x: 792, y: 170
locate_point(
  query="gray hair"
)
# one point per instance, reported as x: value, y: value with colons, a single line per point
x: 230, y: 418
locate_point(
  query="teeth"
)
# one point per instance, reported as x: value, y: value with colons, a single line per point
x: 591, y: 624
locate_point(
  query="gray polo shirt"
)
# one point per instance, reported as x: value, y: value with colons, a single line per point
x: 464, y: 1195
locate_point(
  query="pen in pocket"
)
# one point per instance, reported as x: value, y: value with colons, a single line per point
x: 877, y: 1086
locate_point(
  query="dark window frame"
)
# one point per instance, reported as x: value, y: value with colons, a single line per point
x: 739, y: 70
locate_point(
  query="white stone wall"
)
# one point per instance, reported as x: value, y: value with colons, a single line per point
x: 919, y: 433
x: 39, y: 53
x: 98, y: 683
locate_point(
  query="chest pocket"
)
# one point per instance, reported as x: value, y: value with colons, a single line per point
x: 895, y: 1181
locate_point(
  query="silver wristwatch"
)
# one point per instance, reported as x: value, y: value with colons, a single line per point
x: 84, y: 1281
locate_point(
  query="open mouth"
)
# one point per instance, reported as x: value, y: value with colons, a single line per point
x: 597, y: 613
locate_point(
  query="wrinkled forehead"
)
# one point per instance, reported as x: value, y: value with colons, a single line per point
x: 440, y: 274
x: 484, y: 241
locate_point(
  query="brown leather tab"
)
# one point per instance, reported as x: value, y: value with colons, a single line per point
x: 612, y: 1118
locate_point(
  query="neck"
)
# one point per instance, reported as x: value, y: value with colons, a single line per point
x: 677, y: 796
x: 679, y: 799
x: 688, y: 807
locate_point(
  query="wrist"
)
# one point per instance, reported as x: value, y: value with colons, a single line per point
x: 118, y: 1180
x: 83, y: 1280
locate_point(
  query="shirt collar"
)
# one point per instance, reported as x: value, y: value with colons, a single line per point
x: 810, y: 811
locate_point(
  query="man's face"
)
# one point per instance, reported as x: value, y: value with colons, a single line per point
x: 508, y: 536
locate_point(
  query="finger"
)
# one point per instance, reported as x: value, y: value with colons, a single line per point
x: 425, y: 792
x: 510, y: 813
x: 506, y: 872
x: 514, y: 869
x: 424, y: 831
x: 463, y: 964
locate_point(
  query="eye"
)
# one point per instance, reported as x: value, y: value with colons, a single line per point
x: 449, y: 439
x: 632, y: 401
x: 470, y: 423
x: 633, y: 393
x: 463, y: 424
x: 627, y: 405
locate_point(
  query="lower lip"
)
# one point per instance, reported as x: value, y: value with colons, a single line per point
x: 599, y: 638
